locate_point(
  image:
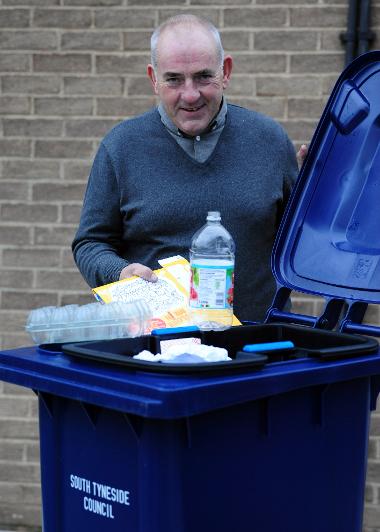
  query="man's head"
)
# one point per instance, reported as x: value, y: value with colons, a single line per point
x: 189, y: 71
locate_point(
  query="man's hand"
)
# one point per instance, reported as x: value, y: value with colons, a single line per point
x: 301, y: 155
x: 135, y: 268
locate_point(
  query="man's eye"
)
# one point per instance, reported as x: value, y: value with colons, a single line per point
x: 205, y: 78
x: 173, y: 81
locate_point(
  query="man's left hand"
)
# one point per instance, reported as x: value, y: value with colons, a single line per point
x: 301, y: 155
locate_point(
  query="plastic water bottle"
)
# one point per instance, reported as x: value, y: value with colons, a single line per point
x: 212, y: 259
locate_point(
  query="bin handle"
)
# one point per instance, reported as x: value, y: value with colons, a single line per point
x: 352, y: 321
x: 359, y: 328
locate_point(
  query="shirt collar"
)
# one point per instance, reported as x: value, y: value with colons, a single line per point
x: 217, y: 123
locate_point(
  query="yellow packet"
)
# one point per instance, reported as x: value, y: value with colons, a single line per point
x: 168, y: 297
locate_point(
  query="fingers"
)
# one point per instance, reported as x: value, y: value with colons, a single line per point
x: 135, y: 268
x: 301, y: 155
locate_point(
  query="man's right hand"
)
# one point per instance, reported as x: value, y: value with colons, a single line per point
x: 135, y: 268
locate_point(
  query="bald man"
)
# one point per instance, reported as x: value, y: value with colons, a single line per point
x: 157, y: 175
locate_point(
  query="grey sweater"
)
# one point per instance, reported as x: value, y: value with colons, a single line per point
x: 146, y: 198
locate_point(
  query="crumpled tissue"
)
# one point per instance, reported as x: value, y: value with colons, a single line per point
x: 186, y: 354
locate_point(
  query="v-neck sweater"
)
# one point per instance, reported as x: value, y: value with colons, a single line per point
x: 146, y: 197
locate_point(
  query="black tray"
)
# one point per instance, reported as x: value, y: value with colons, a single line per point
x: 323, y: 345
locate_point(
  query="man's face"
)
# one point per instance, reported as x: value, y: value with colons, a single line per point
x: 190, y: 78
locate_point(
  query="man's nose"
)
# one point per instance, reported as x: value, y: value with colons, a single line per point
x: 190, y: 92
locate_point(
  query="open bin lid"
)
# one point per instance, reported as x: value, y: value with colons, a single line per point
x: 329, y: 240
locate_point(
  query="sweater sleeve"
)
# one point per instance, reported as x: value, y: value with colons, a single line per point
x: 291, y: 169
x: 290, y: 172
x: 97, y: 243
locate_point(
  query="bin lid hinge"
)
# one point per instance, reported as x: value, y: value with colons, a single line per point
x: 327, y: 320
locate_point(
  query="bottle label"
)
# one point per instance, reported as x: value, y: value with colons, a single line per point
x: 211, y: 286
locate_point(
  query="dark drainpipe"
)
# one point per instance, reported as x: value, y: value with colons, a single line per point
x: 349, y: 38
x: 358, y: 34
x: 366, y: 36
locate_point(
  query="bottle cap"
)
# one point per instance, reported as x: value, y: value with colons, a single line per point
x: 213, y: 216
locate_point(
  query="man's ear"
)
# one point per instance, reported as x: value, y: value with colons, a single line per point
x: 227, y: 70
x: 152, y: 76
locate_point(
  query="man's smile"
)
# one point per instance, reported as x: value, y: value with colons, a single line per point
x: 192, y: 109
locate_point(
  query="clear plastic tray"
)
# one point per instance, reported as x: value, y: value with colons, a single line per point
x: 95, y: 321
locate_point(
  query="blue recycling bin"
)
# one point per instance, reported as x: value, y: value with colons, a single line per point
x: 281, y: 446
x: 273, y: 441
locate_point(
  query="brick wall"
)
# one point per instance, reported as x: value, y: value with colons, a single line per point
x: 70, y: 70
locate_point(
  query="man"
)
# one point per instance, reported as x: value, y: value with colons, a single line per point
x: 157, y: 175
